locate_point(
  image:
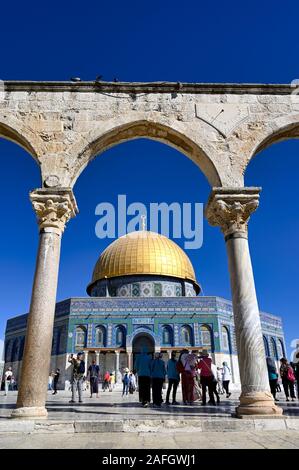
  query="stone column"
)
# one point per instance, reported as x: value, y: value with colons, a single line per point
x: 97, y: 358
x: 117, y: 371
x: 54, y: 208
x: 86, y: 362
x: 230, y: 208
x: 169, y: 353
x: 129, y: 353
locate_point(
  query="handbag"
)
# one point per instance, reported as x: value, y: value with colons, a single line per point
x: 290, y: 375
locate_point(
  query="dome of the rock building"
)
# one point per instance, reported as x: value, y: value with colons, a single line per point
x: 142, y: 256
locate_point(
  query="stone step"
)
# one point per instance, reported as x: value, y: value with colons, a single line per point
x: 209, y: 424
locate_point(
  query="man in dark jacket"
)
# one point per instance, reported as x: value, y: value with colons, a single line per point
x: 55, y: 381
x: 142, y: 367
x: 173, y: 379
x: 158, y: 372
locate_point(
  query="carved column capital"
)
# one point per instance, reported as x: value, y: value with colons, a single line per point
x: 231, y: 208
x: 54, y: 208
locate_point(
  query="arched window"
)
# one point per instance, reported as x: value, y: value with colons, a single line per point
x: 266, y: 346
x: 273, y: 349
x: 81, y: 335
x: 186, y: 335
x: 167, y: 335
x: 120, y: 336
x: 100, y: 339
x: 7, y: 356
x: 225, y: 338
x: 15, y: 351
x: 62, y: 341
x: 205, y: 336
x: 22, y: 348
x: 280, y: 349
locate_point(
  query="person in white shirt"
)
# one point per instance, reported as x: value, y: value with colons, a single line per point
x: 7, y: 379
x: 219, y: 380
x: 215, y: 382
x: 226, y: 377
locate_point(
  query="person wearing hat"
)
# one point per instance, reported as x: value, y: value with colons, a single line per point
x: 126, y: 381
x: 186, y: 366
x: 206, y: 377
x: 77, y: 375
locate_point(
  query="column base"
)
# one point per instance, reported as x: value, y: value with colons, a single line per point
x: 30, y: 412
x: 259, y: 404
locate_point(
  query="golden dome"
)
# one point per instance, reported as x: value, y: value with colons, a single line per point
x: 143, y: 253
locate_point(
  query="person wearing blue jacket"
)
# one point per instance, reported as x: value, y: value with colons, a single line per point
x: 143, y: 369
x: 173, y: 379
x: 158, y: 373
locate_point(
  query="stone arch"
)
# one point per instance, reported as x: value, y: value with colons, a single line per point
x: 274, y: 131
x: 122, y: 129
x: 143, y: 339
x: 14, y: 130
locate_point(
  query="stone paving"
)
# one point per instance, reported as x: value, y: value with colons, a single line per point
x: 209, y: 440
x: 100, y: 424
x: 112, y: 406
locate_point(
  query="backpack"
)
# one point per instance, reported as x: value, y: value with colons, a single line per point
x: 290, y: 375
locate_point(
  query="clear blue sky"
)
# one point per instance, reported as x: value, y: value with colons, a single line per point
x: 140, y: 41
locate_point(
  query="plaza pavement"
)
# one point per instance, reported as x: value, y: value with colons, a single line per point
x: 117, y: 422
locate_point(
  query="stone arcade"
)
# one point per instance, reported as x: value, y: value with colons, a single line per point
x: 64, y: 125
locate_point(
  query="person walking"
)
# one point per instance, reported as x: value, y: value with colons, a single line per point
x: 106, y: 381
x: 273, y: 376
x: 126, y: 382
x: 77, y: 376
x: 226, y: 378
x: 158, y: 373
x: 206, y: 377
x: 143, y: 370
x: 93, y: 375
x: 173, y: 379
x: 132, y: 383
x: 55, y: 381
x: 111, y: 381
x: 215, y: 382
x: 220, y: 388
x: 50, y: 382
x: 8, y: 376
x: 288, y: 378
